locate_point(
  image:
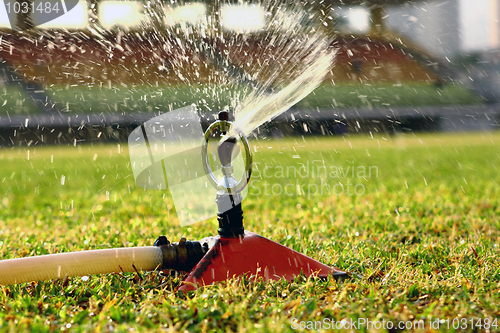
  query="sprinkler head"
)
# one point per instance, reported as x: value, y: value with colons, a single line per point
x: 228, y: 149
x: 223, y: 115
x: 225, y: 150
x: 224, y: 120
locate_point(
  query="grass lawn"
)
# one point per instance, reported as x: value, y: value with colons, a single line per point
x: 419, y: 226
x: 145, y: 99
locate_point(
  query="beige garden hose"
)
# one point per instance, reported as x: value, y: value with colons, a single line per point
x: 81, y: 263
x: 181, y: 256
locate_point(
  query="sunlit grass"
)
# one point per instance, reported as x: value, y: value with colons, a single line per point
x: 423, y: 235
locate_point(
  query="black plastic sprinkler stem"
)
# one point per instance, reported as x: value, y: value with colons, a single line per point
x: 230, y: 221
x: 230, y: 214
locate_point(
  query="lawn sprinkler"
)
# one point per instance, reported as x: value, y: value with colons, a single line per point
x: 233, y: 252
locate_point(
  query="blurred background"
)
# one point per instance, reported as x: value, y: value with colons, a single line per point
x: 102, y: 68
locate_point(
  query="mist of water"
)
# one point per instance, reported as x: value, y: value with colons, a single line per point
x: 260, y: 75
x: 162, y: 66
x: 260, y: 107
x: 304, y: 54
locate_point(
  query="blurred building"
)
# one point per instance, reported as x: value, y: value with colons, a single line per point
x: 494, y: 24
x: 433, y: 25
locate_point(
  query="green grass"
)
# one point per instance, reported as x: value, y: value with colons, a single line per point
x: 423, y: 236
x: 128, y: 99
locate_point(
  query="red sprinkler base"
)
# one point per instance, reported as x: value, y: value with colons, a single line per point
x: 255, y: 255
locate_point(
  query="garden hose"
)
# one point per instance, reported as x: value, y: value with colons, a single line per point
x: 164, y: 255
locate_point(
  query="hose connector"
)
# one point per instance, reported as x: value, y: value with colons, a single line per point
x: 181, y: 256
